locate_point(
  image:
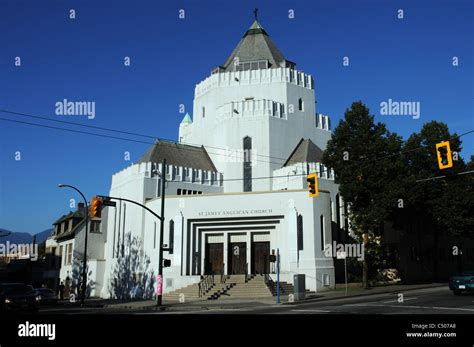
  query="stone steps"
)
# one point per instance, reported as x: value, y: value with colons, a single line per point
x: 235, y: 287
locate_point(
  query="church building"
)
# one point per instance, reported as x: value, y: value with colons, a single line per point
x: 236, y: 190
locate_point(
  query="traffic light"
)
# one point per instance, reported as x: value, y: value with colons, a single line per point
x: 445, y: 158
x: 96, y: 207
x: 166, y: 262
x: 312, y: 181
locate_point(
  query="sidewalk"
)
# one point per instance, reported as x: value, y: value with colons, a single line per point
x: 147, y: 305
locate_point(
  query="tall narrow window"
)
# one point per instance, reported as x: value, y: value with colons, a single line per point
x: 299, y: 232
x: 69, y: 254
x: 338, y: 211
x: 154, y: 235
x: 331, y: 209
x: 247, y: 164
x: 300, y: 104
x: 61, y: 255
x: 171, y: 237
x: 323, y: 236
x: 203, y: 112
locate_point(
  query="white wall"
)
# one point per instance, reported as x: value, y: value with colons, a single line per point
x: 311, y: 260
x: 272, y: 136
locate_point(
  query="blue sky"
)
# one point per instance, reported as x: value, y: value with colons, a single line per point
x: 82, y: 59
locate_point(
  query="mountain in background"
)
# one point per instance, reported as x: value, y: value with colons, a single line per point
x: 23, y: 237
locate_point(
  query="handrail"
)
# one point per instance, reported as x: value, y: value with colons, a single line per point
x: 223, y: 277
x: 205, y: 284
x: 270, y: 283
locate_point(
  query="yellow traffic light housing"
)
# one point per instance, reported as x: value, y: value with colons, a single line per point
x: 443, y: 152
x: 96, y: 207
x: 312, y: 181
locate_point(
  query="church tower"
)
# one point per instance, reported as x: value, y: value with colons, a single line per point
x: 252, y: 112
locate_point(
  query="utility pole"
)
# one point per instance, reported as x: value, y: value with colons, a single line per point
x: 159, y: 296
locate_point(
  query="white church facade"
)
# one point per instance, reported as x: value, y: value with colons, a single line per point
x: 236, y: 190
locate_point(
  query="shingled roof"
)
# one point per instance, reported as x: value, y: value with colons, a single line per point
x: 305, y: 152
x: 178, y: 154
x: 256, y: 45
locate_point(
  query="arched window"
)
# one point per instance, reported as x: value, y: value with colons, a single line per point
x: 300, y: 104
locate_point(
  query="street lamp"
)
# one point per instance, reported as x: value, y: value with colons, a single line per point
x: 84, y: 272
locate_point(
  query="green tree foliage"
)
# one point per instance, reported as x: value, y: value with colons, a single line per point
x: 446, y: 201
x: 365, y: 157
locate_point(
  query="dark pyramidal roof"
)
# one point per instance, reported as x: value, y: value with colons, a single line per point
x: 305, y: 151
x: 178, y: 154
x: 256, y: 45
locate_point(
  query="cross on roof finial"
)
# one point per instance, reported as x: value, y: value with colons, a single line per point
x: 255, y: 13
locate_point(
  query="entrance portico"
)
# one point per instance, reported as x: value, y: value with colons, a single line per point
x: 234, y: 245
x: 235, y: 253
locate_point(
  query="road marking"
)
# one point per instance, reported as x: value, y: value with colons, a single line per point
x: 230, y: 309
x: 396, y: 300
x: 312, y: 310
x: 421, y: 307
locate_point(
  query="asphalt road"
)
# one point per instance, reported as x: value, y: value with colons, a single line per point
x: 439, y: 300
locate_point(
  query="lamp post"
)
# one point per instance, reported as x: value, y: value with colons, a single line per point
x: 84, y: 264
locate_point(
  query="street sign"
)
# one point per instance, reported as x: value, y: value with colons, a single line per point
x: 109, y: 203
x: 341, y: 255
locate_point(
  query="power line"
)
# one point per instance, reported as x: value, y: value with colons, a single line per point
x: 325, y: 170
x: 123, y: 132
x: 73, y: 130
x: 191, y: 144
x: 126, y: 139
x: 111, y: 137
x: 445, y: 176
x: 153, y: 143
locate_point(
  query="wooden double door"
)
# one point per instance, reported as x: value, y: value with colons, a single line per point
x: 237, y: 258
x: 260, y: 257
x: 214, y: 258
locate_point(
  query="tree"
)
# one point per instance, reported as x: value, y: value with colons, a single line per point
x: 444, y: 205
x: 365, y: 158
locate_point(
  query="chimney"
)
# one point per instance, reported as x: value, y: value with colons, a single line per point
x: 80, y: 206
